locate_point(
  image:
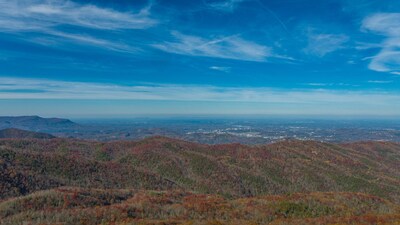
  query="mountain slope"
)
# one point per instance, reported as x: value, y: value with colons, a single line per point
x: 17, y: 133
x: 232, y: 170
x: 70, y: 205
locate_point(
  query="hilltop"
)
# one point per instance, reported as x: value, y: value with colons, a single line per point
x: 35, y: 123
x: 17, y: 133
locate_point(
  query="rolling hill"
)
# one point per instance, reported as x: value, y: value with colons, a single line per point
x: 17, y: 133
x: 234, y: 174
x: 68, y: 205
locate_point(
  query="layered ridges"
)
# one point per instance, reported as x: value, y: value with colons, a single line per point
x: 231, y: 170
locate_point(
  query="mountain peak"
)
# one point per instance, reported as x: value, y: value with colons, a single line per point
x: 35, y: 123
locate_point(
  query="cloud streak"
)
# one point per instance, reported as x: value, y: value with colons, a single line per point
x: 55, y: 37
x: 221, y: 68
x: 47, y: 18
x: 323, y: 44
x: 34, y: 15
x: 380, y: 81
x: 230, y: 47
x: 24, y: 88
x: 223, y: 5
x: 386, y: 24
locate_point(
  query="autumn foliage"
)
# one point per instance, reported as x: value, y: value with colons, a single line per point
x: 166, y: 181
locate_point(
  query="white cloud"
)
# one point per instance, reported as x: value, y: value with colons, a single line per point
x: 223, y: 5
x: 46, y: 18
x: 231, y: 47
x: 380, y: 81
x: 58, y: 37
x: 28, y: 15
x: 221, y: 68
x: 330, y: 84
x: 318, y: 84
x: 386, y: 24
x: 365, y: 46
x: 323, y: 44
x: 24, y: 88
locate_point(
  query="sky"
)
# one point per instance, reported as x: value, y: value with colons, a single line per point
x: 104, y: 58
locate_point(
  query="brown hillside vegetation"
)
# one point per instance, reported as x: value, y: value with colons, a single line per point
x: 164, y: 179
x: 17, y: 133
x: 95, y: 206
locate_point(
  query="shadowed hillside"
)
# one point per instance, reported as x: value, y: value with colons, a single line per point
x: 17, y: 133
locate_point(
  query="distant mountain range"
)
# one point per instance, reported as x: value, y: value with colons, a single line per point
x: 18, y: 133
x: 35, y: 123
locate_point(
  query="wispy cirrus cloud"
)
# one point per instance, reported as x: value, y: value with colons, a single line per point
x: 33, y: 15
x: 54, y: 38
x: 380, y: 81
x: 228, y: 47
x: 330, y: 84
x: 46, y: 18
x: 28, y: 88
x: 221, y: 68
x: 323, y: 44
x: 223, y: 5
x: 386, y: 24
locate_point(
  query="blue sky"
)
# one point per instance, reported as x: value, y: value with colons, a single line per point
x: 276, y: 57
